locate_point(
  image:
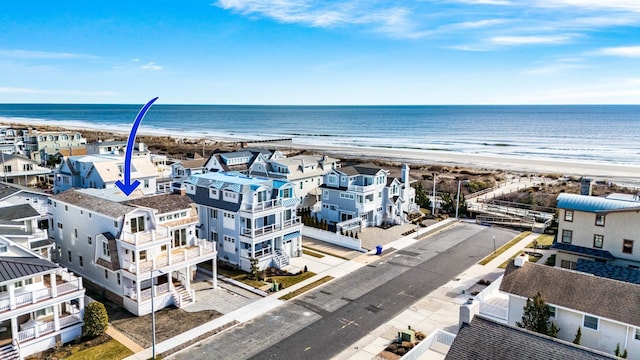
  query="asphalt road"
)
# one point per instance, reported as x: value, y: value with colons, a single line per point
x: 324, y: 322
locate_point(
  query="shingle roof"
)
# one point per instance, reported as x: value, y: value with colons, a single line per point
x: 609, y: 271
x: 603, y: 254
x: 93, y: 203
x: 486, y: 339
x: 602, y: 297
x: 202, y: 197
x: 15, y: 212
x: 163, y: 203
x: 7, y: 190
x: 17, y: 267
x: 592, y: 203
x: 361, y: 169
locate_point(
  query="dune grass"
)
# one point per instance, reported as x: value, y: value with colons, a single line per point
x: 504, y: 248
x: 306, y: 288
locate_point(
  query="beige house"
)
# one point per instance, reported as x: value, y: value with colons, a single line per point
x: 598, y: 229
x: 17, y: 169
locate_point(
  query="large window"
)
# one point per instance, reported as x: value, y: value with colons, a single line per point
x: 627, y: 246
x: 567, y: 235
x: 568, y: 215
x: 137, y: 224
x: 566, y: 264
x: 179, y: 237
x: 590, y: 322
x: 599, y: 220
x: 598, y: 240
x: 105, y: 249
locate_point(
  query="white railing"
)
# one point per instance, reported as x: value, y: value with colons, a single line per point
x: 494, y: 311
x: 262, y: 206
x: 145, y: 294
x: 5, y: 304
x: 26, y: 334
x: 142, y: 237
x: 437, y: 337
x: 162, y: 288
x: 69, y: 320
x: 69, y: 286
x: 291, y: 222
x: 490, y: 291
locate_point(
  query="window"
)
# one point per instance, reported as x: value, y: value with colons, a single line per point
x: 325, y: 194
x: 599, y: 220
x: 3, y: 288
x: 115, y: 223
x: 80, y: 260
x: 213, y: 193
x: 118, y: 277
x: 106, y: 274
x: 552, y: 311
x: 18, y: 284
x: 597, y: 241
x: 332, y: 180
x: 637, y: 337
x: 7, y: 168
x: 301, y: 185
x: 213, y: 213
x: 590, y: 322
x: 163, y: 248
x: 28, y: 281
x: 137, y: 224
x: 105, y: 249
x: 3, y: 248
x: 566, y: 264
x: 69, y: 255
x: 627, y: 246
x: 566, y: 236
x: 179, y: 237
x: 89, y: 240
x: 66, y: 208
x: 59, y: 225
x: 75, y: 232
x: 143, y: 255
x: 27, y: 167
x: 568, y: 215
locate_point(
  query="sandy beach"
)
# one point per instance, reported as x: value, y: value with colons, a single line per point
x: 622, y: 174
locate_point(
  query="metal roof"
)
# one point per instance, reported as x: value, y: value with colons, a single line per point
x: 18, y: 267
x: 593, y: 203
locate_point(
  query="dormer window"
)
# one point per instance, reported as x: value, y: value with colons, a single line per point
x: 332, y: 180
x: 229, y: 196
x: 214, y: 193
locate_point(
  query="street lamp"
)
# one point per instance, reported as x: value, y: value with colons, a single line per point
x: 494, y: 244
x: 153, y: 317
x: 458, y: 197
x: 433, y: 203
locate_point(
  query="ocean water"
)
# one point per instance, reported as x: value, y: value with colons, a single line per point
x: 594, y: 133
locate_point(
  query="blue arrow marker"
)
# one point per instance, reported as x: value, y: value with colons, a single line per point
x: 127, y: 186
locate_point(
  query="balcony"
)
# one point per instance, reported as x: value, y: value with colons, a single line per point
x: 43, y: 328
x: 202, y: 250
x: 362, y: 189
x: 269, y: 229
x: 143, y: 237
x: 262, y: 206
x: 70, y: 284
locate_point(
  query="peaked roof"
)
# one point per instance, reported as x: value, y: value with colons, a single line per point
x: 361, y: 169
x: 602, y: 297
x: 609, y: 271
x: 486, y: 339
x: 15, y: 212
x: 17, y: 267
x: 164, y: 203
x: 593, y: 203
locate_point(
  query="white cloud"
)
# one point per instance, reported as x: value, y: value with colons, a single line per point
x: 29, y: 54
x: 135, y: 60
x: 625, y: 5
x: 18, y: 90
x: 530, y: 39
x: 23, y: 90
x: 624, y: 51
x: 151, y: 66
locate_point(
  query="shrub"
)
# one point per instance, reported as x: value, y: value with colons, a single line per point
x: 96, y: 319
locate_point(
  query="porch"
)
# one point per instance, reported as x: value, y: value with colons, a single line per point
x: 52, y: 286
x: 174, y: 256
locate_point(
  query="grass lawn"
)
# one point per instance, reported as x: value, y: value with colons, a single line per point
x: 324, y: 252
x: 504, y: 248
x: 311, y: 253
x: 287, y: 281
x: 543, y: 240
x: 110, y: 350
x: 306, y: 288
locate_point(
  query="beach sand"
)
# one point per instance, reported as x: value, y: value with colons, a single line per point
x: 622, y: 174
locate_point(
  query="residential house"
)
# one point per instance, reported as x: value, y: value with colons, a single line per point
x: 485, y: 339
x: 605, y: 310
x: 362, y: 195
x: 306, y: 172
x: 12, y: 140
x: 598, y: 229
x: 24, y: 225
x: 40, y: 145
x: 17, y: 169
x: 41, y: 303
x: 248, y: 217
x: 134, y: 250
x: 13, y: 194
x: 239, y: 161
x: 102, y: 172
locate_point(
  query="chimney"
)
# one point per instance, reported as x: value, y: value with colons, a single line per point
x: 141, y: 147
x: 520, y: 260
x: 405, y: 174
x: 467, y: 311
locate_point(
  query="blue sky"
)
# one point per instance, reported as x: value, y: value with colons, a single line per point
x: 321, y: 52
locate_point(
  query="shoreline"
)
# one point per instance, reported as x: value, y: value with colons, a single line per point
x: 623, y: 174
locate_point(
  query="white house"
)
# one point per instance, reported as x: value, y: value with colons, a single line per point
x: 362, y: 195
x: 306, y: 172
x: 102, y: 172
x: 41, y: 303
x: 133, y: 250
x: 248, y: 218
x: 605, y: 310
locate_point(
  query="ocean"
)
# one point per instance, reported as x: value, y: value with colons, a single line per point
x: 593, y: 133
